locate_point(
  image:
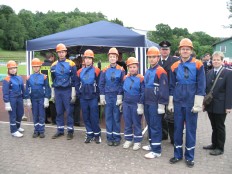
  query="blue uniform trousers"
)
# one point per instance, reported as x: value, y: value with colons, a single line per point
x: 154, y: 122
x: 90, y: 114
x: 132, y: 122
x: 38, y: 112
x: 62, y: 101
x: 112, y: 117
x: 16, y: 114
x: 184, y: 115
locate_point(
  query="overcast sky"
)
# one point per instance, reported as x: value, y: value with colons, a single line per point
x: 195, y: 15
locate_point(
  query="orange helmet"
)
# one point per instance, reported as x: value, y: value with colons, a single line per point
x: 186, y: 43
x: 36, y: 62
x: 132, y: 60
x: 113, y: 51
x: 153, y: 51
x: 89, y: 53
x: 61, y: 47
x: 11, y: 64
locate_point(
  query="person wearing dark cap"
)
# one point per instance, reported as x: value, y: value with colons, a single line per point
x: 166, y: 62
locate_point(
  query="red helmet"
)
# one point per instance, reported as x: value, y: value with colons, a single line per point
x: 113, y: 51
x: 61, y: 47
x: 153, y: 51
x: 132, y: 60
x: 36, y: 62
x: 11, y: 64
x: 186, y: 43
x: 89, y: 53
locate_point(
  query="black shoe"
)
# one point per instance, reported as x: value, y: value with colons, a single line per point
x: 209, y: 147
x: 216, y: 152
x: 35, y: 135
x: 41, y: 135
x: 189, y: 163
x: 57, y: 135
x: 70, y: 136
x: 47, y: 122
x: 97, y: 140
x: 116, y: 143
x: 174, y: 160
x: 110, y: 143
x: 89, y: 139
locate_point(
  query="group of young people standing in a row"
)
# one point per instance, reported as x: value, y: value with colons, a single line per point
x: 179, y: 87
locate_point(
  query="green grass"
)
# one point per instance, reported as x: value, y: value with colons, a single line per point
x: 19, y: 56
x: 21, y: 70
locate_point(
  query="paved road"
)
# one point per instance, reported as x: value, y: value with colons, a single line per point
x: 41, y: 156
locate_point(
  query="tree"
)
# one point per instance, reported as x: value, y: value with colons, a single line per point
x: 6, y: 11
x: 15, y: 34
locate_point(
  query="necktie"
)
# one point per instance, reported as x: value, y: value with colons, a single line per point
x: 215, y: 74
x: 163, y: 61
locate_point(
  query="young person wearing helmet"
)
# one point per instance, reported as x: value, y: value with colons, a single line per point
x: 187, y: 89
x: 88, y: 92
x: 110, y: 85
x: 13, y: 93
x: 63, y: 72
x: 133, y: 99
x: 38, y: 93
x: 156, y: 97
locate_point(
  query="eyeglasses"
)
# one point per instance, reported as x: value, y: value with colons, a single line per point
x: 153, y: 56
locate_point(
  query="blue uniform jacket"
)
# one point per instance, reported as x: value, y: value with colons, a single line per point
x: 87, y: 80
x: 12, y: 87
x: 187, y: 79
x: 156, y: 86
x: 111, y: 80
x: 133, y: 88
x: 63, y: 73
x: 37, y: 87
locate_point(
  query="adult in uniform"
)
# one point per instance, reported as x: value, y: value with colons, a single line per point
x: 186, y: 90
x: 63, y: 91
x: 221, y: 104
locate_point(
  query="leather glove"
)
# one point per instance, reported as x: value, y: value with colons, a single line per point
x: 52, y: 95
x: 119, y: 100
x: 73, y: 95
x: 29, y: 103
x: 198, y: 102
x: 140, y: 109
x: 8, y: 106
x: 46, y: 103
x: 161, y: 109
x: 102, y: 100
x: 170, y: 104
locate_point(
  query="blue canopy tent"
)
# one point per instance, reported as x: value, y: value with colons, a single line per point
x: 98, y: 36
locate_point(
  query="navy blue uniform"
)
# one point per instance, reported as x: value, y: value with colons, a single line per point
x: 13, y: 92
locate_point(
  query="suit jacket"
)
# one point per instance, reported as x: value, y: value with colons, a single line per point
x: 222, y: 92
x: 168, y: 63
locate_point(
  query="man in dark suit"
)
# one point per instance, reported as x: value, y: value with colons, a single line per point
x: 207, y: 63
x: 221, y: 104
x: 166, y: 62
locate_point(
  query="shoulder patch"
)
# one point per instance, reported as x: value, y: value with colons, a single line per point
x: 54, y: 63
x: 199, y: 64
x: 141, y: 77
x: 97, y: 71
x: 160, y: 71
x: 7, y: 78
x: 175, y: 65
x: 71, y: 63
x: 79, y: 72
x: 104, y: 69
x: 119, y: 67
